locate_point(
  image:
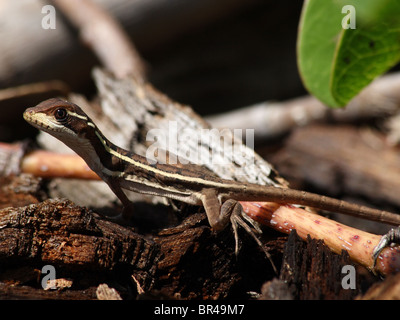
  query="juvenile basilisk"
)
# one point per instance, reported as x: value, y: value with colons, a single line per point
x: 122, y: 169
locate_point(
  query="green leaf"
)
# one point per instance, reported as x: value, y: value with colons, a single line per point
x: 336, y: 63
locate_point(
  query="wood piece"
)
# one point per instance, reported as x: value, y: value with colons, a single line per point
x: 312, y: 271
x: 74, y: 241
x: 62, y: 233
x: 10, y: 158
x: 100, y: 31
x: 24, y: 292
x: 88, y: 250
x: 275, y: 290
x: 104, y: 292
x: 217, y: 273
x: 52, y: 165
x: 18, y: 191
x: 33, y: 89
x: 273, y: 119
x: 357, y: 243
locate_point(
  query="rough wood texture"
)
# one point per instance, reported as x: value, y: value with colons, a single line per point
x: 88, y: 251
x: 312, y: 272
x: 72, y: 240
x: 18, y: 191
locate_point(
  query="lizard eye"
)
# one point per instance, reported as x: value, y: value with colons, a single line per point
x: 61, y: 114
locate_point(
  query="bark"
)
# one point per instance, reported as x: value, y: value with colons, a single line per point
x: 87, y: 250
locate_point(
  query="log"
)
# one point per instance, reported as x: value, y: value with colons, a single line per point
x: 87, y: 250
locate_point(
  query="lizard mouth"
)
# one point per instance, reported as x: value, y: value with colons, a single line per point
x: 41, y: 121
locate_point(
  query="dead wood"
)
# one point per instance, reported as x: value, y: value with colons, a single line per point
x: 70, y: 238
x: 89, y: 250
x: 312, y: 272
x: 273, y: 119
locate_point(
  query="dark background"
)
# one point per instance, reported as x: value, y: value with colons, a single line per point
x: 213, y: 56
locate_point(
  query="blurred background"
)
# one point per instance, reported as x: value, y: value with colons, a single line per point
x: 212, y: 55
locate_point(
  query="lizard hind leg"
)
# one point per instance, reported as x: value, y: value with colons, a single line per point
x: 236, y: 218
x: 231, y: 211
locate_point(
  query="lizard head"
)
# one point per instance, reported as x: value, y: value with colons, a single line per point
x: 70, y: 124
x: 61, y: 119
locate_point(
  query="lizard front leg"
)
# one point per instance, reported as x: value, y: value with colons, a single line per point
x: 127, y: 210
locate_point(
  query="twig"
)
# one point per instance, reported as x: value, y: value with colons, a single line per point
x: 105, y: 36
x: 359, y: 244
x: 33, y: 88
x: 270, y: 119
x: 48, y: 164
x: 44, y: 164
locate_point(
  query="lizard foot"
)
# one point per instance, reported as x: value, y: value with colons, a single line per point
x: 392, y: 237
x: 237, y: 219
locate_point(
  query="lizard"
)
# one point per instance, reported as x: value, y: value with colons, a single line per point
x: 123, y: 169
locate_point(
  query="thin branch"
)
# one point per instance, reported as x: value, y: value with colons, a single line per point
x: 105, y: 36
x: 48, y: 164
x: 33, y: 88
x: 271, y: 119
x: 359, y: 244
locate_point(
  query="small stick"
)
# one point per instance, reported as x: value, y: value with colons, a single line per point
x: 105, y: 37
x: 359, y: 244
x: 33, y: 88
x: 271, y: 119
x: 48, y: 164
x: 14, y: 159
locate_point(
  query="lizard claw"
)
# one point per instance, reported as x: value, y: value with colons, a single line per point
x: 392, y: 237
x: 236, y: 218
